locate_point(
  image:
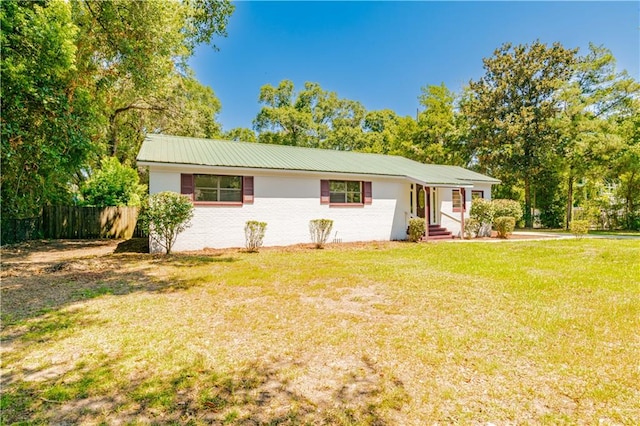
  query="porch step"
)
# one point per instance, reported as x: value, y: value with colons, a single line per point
x: 437, y: 232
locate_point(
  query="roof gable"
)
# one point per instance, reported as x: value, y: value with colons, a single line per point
x: 165, y: 149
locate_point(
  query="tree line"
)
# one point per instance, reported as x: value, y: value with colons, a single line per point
x: 86, y: 80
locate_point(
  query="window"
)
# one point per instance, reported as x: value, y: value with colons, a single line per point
x: 217, y: 188
x: 457, y: 198
x: 345, y: 192
x: 477, y: 194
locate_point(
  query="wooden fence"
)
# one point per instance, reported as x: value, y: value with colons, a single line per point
x: 89, y: 222
x: 74, y: 223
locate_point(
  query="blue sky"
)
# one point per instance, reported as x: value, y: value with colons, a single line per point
x: 382, y: 53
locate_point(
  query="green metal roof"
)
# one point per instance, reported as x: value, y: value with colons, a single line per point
x: 164, y: 149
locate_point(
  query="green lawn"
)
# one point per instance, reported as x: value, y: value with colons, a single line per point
x: 543, y: 332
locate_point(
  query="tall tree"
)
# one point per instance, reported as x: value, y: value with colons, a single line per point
x: 48, y: 121
x: 312, y: 117
x: 593, y: 101
x: 508, y: 110
x: 439, y: 128
x: 388, y: 133
x: 133, y: 55
x: 625, y: 170
x: 82, y: 78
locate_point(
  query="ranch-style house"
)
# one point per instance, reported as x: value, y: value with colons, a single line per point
x: 369, y: 197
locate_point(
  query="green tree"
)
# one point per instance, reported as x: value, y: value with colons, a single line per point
x: 48, y: 122
x: 509, y: 108
x: 311, y: 117
x: 593, y: 102
x: 388, y: 133
x: 438, y: 138
x: 166, y: 216
x: 113, y: 185
x: 625, y: 172
x: 133, y: 58
x: 81, y: 79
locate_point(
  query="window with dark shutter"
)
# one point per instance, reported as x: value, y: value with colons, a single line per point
x: 186, y: 185
x: 247, y: 189
x: 324, y: 192
x: 368, y: 193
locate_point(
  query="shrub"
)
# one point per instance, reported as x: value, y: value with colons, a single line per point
x: 579, y: 227
x: 416, y: 229
x: 483, y: 212
x: 504, y: 225
x: 254, y: 234
x: 510, y: 208
x: 166, y: 215
x: 320, y: 230
x: 113, y: 185
x: 471, y: 228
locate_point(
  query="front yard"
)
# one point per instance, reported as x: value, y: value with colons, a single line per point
x: 384, y: 333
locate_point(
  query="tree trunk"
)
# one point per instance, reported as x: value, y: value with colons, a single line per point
x: 569, y: 201
x: 528, y: 219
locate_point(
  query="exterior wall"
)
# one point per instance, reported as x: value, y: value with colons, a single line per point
x: 287, y: 202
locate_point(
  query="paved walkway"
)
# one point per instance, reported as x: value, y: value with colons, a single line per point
x: 557, y: 235
x: 542, y: 235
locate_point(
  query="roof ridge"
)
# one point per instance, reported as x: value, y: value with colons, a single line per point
x: 307, y: 148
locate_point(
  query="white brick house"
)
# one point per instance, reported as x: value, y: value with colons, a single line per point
x: 368, y: 196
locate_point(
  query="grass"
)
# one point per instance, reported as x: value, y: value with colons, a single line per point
x: 384, y: 333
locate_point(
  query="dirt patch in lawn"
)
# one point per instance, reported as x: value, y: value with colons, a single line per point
x: 42, y: 251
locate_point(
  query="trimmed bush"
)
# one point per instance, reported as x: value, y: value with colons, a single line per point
x: 504, y: 225
x: 320, y: 230
x: 471, y: 228
x: 483, y: 212
x: 254, y: 234
x: 579, y: 227
x: 509, y: 208
x: 166, y: 215
x: 416, y: 229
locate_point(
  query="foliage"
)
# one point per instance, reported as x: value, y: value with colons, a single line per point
x: 254, y: 234
x: 166, y: 216
x: 320, y: 229
x: 472, y: 228
x: 508, y: 110
x: 504, y: 225
x: 594, y: 101
x: 133, y: 59
x: 416, y: 229
x: 482, y: 211
x: 47, y: 119
x: 240, y: 134
x: 85, y: 78
x: 311, y: 117
x: 113, y: 185
x: 579, y: 227
x: 626, y: 169
x: 550, y: 197
x: 438, y: 138
x: 510, y: 208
